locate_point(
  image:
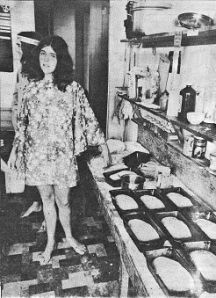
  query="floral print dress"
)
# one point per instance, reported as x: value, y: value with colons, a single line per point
x: 53, y: 128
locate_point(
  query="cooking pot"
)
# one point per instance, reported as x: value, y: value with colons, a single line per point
x: 148, y: 18
x: 132, y: 182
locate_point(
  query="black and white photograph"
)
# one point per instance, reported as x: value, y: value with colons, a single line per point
x: 108, y: 148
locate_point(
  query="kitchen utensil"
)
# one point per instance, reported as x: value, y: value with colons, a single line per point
x: 191, y: 20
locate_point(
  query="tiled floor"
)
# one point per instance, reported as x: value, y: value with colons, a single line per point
x: 68, y: 274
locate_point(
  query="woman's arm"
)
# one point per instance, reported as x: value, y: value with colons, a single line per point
x: 16, y: 155
x: 87, y: 121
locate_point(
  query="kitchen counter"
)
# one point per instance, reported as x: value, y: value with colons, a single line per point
x: 133, y: 262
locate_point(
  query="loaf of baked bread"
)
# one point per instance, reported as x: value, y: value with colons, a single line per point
x: 126, y: 202
x: 143, y: 230
x: 152, y: 202
x: 174, y: 276
x: 118, y: 175
x: 208, y: 227
x: 179, y: 200
x: 205, y: 262
x: 176, y: 227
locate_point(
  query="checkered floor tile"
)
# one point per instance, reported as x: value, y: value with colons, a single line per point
x: 67, y: 274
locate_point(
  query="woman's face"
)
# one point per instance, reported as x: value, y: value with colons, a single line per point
x: 48, y: 60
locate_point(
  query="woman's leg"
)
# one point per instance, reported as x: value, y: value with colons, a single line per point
x: 49, y: 209
x: 32, y: 194
x: 62, y: 200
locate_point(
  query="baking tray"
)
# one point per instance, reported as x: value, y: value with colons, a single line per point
x: 181, y: 191
x: 196, y: 213
x: 208, y: 215
x: 144, y: 246
x: 134, y: 159
x: 174, y: 255
x: 117, y: 183
x: 196, y: 234
x: 128, y: 192
x: 209, y: 286
x: 169, y: 206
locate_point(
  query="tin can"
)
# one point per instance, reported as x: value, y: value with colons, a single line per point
x: 199, y: 148
x: 188, y: 145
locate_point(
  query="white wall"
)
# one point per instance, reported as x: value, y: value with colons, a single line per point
x: 116, y: 63
x: 22, y: 19
x: 198, y: 62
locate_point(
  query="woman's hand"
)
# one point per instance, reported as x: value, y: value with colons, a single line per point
x: 12, y: 159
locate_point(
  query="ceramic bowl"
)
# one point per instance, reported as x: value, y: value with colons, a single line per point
x: 195, y: 118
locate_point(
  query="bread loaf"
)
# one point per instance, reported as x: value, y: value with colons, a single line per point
x: 118, y: 175
x: 125, y: 202
x: 179, y: 200
x: 143, y: 230
x: 205, y: 262
x: 151, y: 202
x: 208, y: 227
x: 173, y: 274
x: 176, y: 227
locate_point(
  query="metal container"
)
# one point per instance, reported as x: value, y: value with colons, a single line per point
x: 199, y: 148
x: 148, y: 18
x: 132, y: 182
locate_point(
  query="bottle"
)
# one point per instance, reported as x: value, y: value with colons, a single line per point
x: 188, y: 101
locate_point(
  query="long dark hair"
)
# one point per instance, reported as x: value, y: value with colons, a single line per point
x: 63, y: 74
x: 27, y: 48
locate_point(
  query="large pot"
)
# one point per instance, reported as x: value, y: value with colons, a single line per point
x: 151, y: 17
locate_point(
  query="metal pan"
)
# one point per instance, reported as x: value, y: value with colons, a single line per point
x: 144, y: 246
x: 191, y: 20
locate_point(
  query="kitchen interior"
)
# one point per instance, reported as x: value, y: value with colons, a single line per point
x: 149, y: 219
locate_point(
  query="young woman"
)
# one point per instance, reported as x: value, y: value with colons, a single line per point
x: 26, y: 43
x: 56, y: 124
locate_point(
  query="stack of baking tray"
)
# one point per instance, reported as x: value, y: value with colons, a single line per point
x: 173, y: 272
x: 175, y: 248
x: 201, y: 256
x: 144, y: 241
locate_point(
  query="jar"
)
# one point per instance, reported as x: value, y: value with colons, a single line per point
x: 188, y: 145
x: 213, y: 161
x: 199, y: 148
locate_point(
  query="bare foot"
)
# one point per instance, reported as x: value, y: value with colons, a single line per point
x: 35, y: 207
x: 46, y: 255
x: 77, y: 246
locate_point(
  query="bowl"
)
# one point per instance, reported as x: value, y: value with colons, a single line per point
x: 195, y: 118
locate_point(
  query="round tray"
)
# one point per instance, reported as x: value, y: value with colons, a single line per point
x: 192, y: 20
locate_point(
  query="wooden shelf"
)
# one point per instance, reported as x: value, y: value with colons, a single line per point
x: 167, y: 39
x: 204, y: 130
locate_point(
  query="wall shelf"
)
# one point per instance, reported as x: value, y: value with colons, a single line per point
x: 204, y: 130
x: 203, y: 37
